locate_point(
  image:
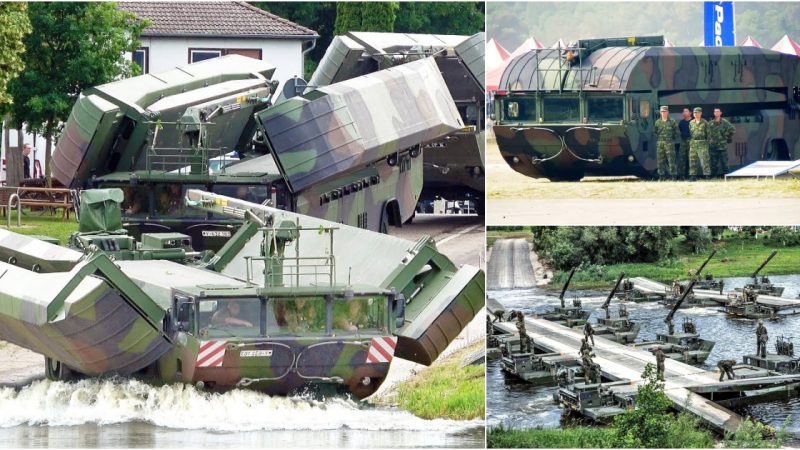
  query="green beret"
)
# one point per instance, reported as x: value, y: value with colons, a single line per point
x: 698, y: 109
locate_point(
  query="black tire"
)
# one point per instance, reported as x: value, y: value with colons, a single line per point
x: 57, y: 371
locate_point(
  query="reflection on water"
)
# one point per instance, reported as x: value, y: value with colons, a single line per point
x: 128, y: 413
x: 517, y: 404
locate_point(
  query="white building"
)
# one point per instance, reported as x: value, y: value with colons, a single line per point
x: 181, y: 33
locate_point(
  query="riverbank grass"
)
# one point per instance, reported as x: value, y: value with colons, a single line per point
x: 736, y: 257
x: 446, y: 390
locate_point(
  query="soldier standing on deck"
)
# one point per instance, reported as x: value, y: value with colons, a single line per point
x: 588, y: 332
x: 660, y: 364
x: 666, y: 130
x: 524, y: 339
x: 761, y: 339
x: 682, y: 159
x: 584, y: 346
x: 698, y: 147
x: 720, y: 134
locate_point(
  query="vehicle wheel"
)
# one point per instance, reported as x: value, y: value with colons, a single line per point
x: 57, y: 371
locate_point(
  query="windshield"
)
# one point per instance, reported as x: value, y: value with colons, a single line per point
x: 292, y: 316
x: 604, y: 109
x: 561, y: 109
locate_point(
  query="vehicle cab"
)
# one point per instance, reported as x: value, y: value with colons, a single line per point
x: 280, y: 339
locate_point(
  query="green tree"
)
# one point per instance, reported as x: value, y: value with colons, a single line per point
x: 72, y: 47
x: 14, y: 26
x: 348, y: 17
x: 698, y: 238
x: 379, y: 16
x: 465, y: 18
x: 645, y: 426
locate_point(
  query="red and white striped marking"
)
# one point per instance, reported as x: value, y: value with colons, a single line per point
x: 211, y: 354
x: 381, y: 350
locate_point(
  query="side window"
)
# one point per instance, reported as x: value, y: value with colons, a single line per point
x: 512, y: 110
x: 360, y: 314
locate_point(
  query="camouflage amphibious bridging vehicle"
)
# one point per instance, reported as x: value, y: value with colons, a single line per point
x: 348, y: 152
x: 454, y: 166
x: 589, y: 109
x: 291, y: 301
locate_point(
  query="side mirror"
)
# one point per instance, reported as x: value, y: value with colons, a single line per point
x: 400, y: 311
x: 184, y: 314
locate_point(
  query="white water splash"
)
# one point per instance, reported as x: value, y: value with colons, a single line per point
x: 179, y: 406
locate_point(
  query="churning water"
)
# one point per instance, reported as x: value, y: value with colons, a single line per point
x: 129, y: 413
x: 517, y: 404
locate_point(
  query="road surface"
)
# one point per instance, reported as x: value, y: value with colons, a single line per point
x: 510, y: 266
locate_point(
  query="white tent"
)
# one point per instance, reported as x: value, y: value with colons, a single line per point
x: 787, y: 45
x: 750, y: 42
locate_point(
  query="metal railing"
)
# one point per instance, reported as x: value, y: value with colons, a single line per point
x: 193, y: 159
x: 281, y: 269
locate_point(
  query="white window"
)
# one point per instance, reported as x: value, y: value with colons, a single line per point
x: 142, y: 58
x: 202, y: 54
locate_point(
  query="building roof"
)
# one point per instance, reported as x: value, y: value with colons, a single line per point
x: 213, y: 19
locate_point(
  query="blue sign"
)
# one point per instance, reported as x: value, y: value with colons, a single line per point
x: 719, y: 27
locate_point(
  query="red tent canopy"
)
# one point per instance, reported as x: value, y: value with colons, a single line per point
x: 750, y: 42
x: 787, y: 45
x: 494, y: 75
x: 495, y: 54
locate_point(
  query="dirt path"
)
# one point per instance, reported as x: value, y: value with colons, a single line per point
x: 515, y: 199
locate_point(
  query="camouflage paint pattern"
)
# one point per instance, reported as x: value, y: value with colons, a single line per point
x: 103, y: 317
x: 106, y: 129
x: 338, y: 128
x: 720, y: 133
x: 754, y: 87
x: 699, y: 162
x: 666, y: 132
x: 454, y: 166
x: 441, y: 297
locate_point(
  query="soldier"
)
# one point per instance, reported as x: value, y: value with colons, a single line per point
x: 584, y: 346
x: 726, y: 368
x: 682, y: 158
x: 720, y: 134
x: 660, y: 363
x: 588, y: 332
x: 698, y: 147
x: 498, y: 315
x: 666, y: 130
x: 524, y: 339
x: 676, y: 288
x: 588, y: 365
x: 761, y: 339
x: 562, y: 375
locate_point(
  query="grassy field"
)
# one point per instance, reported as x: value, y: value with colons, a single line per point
x: 445, y: 390
x: 502, y: 182
x: 44, y: 225
x: 580, y: 437
x: 735, y: 258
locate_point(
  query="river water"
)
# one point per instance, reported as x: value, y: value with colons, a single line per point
x: 129, y: 413
x: 517, y: 404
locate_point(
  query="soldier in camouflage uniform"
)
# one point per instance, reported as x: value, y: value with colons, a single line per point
x: 683, y: 149
x: 720, y: 134
x: 726, y: 368
x: 666, y: 130
x: 524, y: 340
x: 698, y: 146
